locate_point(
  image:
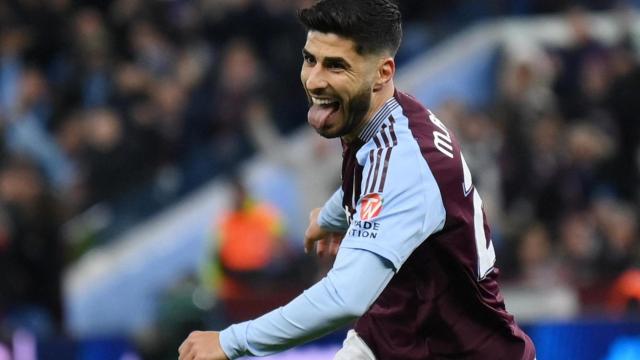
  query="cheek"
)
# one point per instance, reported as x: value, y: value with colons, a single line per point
x: 304, y: 75
x: 356, y: 91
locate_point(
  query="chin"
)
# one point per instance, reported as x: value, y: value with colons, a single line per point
x: 336, y: 129
x: 328, y: 133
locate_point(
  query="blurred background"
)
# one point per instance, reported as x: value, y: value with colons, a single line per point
x: 156, y: 170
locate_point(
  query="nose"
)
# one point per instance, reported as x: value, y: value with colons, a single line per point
x: 316, y: 79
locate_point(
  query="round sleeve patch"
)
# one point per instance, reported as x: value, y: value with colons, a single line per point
x: 370, y: 206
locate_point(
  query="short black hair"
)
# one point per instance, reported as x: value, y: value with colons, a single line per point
x: 374, y: 25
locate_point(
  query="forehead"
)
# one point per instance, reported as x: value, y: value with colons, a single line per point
x: 331, y: 45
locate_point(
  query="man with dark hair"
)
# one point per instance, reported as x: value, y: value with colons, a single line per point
x: 415, y: 262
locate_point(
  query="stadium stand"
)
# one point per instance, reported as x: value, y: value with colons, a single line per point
x: 122, y: 120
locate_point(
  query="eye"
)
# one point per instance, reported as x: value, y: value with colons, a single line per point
x: 309, y: 59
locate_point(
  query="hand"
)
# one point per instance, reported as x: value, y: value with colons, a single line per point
x: 202, y: 345
x: 328, y: 242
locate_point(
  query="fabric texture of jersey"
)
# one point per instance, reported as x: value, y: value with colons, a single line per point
x: 408, y: 197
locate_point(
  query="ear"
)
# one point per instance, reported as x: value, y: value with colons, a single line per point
x: 386, y: 71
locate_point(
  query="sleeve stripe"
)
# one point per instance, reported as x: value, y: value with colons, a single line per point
x: 384, y: 171
x: 392, y: 135
x: 378, y: 162
x: 377, y: 141
x: 370, y: 169
x: 374, y: 164
x: 383, y: 134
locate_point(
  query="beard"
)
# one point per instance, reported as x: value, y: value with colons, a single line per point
x: 354, y: 112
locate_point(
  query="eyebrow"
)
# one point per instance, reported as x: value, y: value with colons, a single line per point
x: 329, y: 59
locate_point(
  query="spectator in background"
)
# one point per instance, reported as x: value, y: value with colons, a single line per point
x: 624, y: 298
x: 93, y: 55
x: 13, y: 42
x: 216, y: 132
x: 580, y: 246
x: 547, y: 157
x: 251, y: 253
x: 539, y: 267
x: 588, y: 153
x: 240, y: 81
x: 524, y: 100
x: 150, y: 49
x: 617, y: 224
x: 625, y: 107
x: 574, y: 64
x: 112, y: 161
x: 31, y: 255
x: 156, y: 123
x: 26, y: 129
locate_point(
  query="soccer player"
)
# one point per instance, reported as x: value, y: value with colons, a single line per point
x: 416, y: 265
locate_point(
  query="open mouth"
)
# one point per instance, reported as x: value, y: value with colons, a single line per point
x: 328, y: 104
x: 321, y: 110
x: 325, y: 102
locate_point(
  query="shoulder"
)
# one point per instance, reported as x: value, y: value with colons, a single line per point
x: 393, y: 136
x: 438, y: 144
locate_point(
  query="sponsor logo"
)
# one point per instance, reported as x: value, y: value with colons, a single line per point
x: 370, y: 207
x: 364, y: 229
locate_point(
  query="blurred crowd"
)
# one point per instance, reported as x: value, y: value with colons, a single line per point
x: 102, y: 102
x: 111, y: 110
x: 557, y: 159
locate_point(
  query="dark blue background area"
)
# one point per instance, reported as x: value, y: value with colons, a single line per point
x: 584, y: 339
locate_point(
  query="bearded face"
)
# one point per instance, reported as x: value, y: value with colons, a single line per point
x: 339, y: 84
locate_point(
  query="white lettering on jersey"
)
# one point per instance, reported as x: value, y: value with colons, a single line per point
x: 486, y: 252
x: 484, y: 248
x: 467, y: 185
x: 442, y: 139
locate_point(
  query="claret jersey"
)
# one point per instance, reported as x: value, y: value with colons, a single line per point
x: 409, y: 197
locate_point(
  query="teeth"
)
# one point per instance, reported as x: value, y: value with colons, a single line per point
x: 318, y: 101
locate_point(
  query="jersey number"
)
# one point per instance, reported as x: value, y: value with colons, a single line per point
x: 484, y: 247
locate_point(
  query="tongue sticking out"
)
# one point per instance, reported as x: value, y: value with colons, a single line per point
x: 318, y: 115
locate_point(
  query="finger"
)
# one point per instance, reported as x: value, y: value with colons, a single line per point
x: 308, y: 244
x: 184, y: 352
x: 182, y: 347
x: 334, y: 245
x: 321, y: 247
x: 186, y: 346
x: 337, y: 238
x: 190, y: 355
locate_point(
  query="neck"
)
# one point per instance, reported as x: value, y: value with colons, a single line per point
x: 378, y: 100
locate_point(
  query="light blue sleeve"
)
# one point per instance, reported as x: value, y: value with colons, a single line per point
x: 353, y: 284
x: 332, y: 216
x: 395, y: 221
